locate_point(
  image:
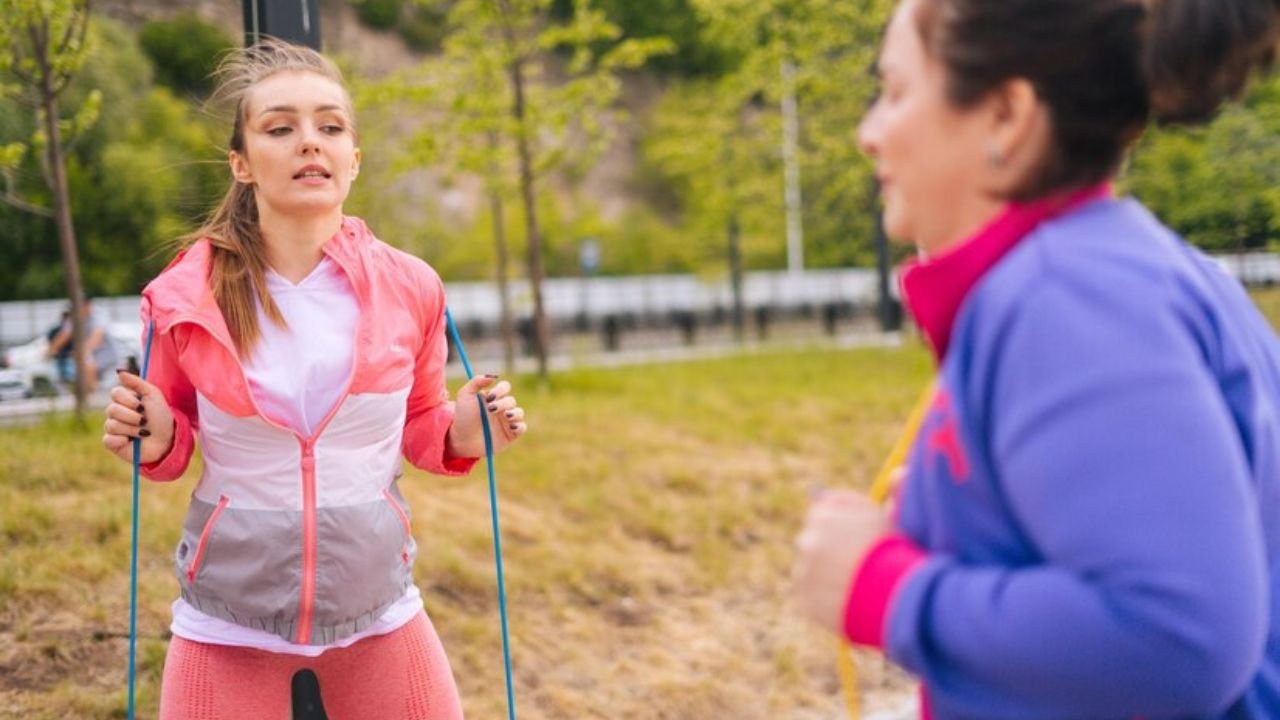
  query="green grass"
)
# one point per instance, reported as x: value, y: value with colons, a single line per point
x: 647, y: 524
x: 647, y: 519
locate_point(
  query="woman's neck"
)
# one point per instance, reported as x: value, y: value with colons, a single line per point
x: 967, y: 218
x: 294, y: 245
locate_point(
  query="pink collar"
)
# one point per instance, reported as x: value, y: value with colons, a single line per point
x: 934, y: 288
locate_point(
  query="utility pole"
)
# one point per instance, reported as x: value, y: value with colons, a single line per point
x: 295, y: 21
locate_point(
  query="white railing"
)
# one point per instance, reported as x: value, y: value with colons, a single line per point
x: 565, y: 298
x: 594, y: 298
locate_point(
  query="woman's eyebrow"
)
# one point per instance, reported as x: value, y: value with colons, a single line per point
x: 292, y: 109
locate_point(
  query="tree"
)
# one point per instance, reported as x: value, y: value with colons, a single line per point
x: 503, y: 103
x: 1218, y: 186
x: 43, y: 48
x: 719, y: 141
x: 140, y: 177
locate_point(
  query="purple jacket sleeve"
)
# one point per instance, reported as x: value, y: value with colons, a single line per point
x: 1120, y: 462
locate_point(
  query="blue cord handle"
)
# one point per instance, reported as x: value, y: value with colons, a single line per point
x: 133, y: 549
x: 493, y: 512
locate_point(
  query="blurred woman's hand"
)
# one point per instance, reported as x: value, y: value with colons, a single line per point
x: 839, y: 529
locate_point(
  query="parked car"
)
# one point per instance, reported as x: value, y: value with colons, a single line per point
x: 29, y: 372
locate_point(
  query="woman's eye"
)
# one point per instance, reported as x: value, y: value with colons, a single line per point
x: 333, y: 129
x: 278, y: 131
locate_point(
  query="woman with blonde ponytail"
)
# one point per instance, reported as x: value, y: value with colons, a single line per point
x: 306, y: 357
x: 1089, y: 520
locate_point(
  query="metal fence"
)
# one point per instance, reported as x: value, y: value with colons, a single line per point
x: 567, y: 300
x: 596, y: 299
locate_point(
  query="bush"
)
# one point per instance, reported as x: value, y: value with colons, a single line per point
x: 424, y: 29
x: 184, y: 51
x: 379, y: 14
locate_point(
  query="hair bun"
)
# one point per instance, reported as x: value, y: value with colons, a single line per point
x: 1200, y: 53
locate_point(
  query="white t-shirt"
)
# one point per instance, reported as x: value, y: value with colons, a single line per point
x: 296, y: 375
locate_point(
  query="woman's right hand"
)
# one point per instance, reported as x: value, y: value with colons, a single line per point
x: 138, y: 410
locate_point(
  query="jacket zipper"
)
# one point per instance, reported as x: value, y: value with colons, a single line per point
x: 203, y: 543
x: 306, y: 603
x: 404, y: 520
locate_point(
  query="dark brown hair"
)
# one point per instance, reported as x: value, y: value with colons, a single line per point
x: 238, y: 269
x: 1104, y: 68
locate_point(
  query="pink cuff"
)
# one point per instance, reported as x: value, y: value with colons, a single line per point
x: 452, y: 465
x: 174, y: 462
x: 881, y: 573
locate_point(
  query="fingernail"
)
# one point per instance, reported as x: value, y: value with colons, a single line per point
x: 144, y: 433
x: 143, y: 421
x: 120, y: 370
x: 139, y: 408
x: 514, y: 426
x: 139, y: 396
x: 493, y: 408
x: 490, y: 397
x: 511, y: 413
x: 491, y: 376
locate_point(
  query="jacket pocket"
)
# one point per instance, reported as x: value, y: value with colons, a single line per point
x: 202, y: 545
x: 404, y: 522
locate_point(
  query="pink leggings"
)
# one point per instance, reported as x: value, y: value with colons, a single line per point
x: 403, y: 675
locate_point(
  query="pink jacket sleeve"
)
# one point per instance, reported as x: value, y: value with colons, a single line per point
x: 164, y: 372
x: 430, y: 413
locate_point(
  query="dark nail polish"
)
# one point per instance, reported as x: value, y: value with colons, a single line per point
x: 144, y: 433
x: 143, y: 422
x: 511, y: 413
x: 139, y: 396
x: 493, y: 408
x: 491, y: 375
x: 139, y: 408
x: 120, y: 370
x: 490, y: 397
x: 514, y: 426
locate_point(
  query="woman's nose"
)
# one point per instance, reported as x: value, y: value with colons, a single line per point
x: 869, y: 131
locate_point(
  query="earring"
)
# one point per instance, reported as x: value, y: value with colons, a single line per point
x: 995, y: 158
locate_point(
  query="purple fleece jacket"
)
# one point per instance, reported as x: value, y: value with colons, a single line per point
x: 1090, y: 524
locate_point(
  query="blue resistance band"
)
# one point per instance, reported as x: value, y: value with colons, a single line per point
x: 493, y: 513
x: 133, y: 550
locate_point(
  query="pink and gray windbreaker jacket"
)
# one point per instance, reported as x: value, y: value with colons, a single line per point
x: 304, y: 537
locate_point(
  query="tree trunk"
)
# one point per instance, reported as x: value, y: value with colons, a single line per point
x: 504, y: 287
x: 534, y: 234
x: 735, y: 278
x: 62, y: 215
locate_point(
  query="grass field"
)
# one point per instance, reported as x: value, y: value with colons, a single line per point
x: 648, y: 520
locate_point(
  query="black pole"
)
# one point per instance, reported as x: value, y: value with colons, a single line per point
x: 888, y: 311
x: 295, y: 21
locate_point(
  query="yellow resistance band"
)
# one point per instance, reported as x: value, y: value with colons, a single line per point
x: 881, y: 489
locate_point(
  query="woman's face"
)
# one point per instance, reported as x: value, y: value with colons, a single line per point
x: 929, y: 156
x: 299, y: 145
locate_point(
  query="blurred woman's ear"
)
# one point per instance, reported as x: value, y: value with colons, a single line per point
x: 1020, y: 137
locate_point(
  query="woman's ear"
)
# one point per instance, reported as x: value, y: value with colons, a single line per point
x: 239, y: 167
x: 1018, y: 138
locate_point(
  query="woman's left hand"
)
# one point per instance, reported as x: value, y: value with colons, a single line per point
x: 839, y: 529
x: 506, y: 417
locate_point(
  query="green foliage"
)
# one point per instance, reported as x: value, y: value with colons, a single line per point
x: 379, y: 14
x: 696, y: 53
x: 184, y: 51
x: 425, y: 26
x: 1218, y: 186
x: 139, y: 178
x: 718, y: 142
